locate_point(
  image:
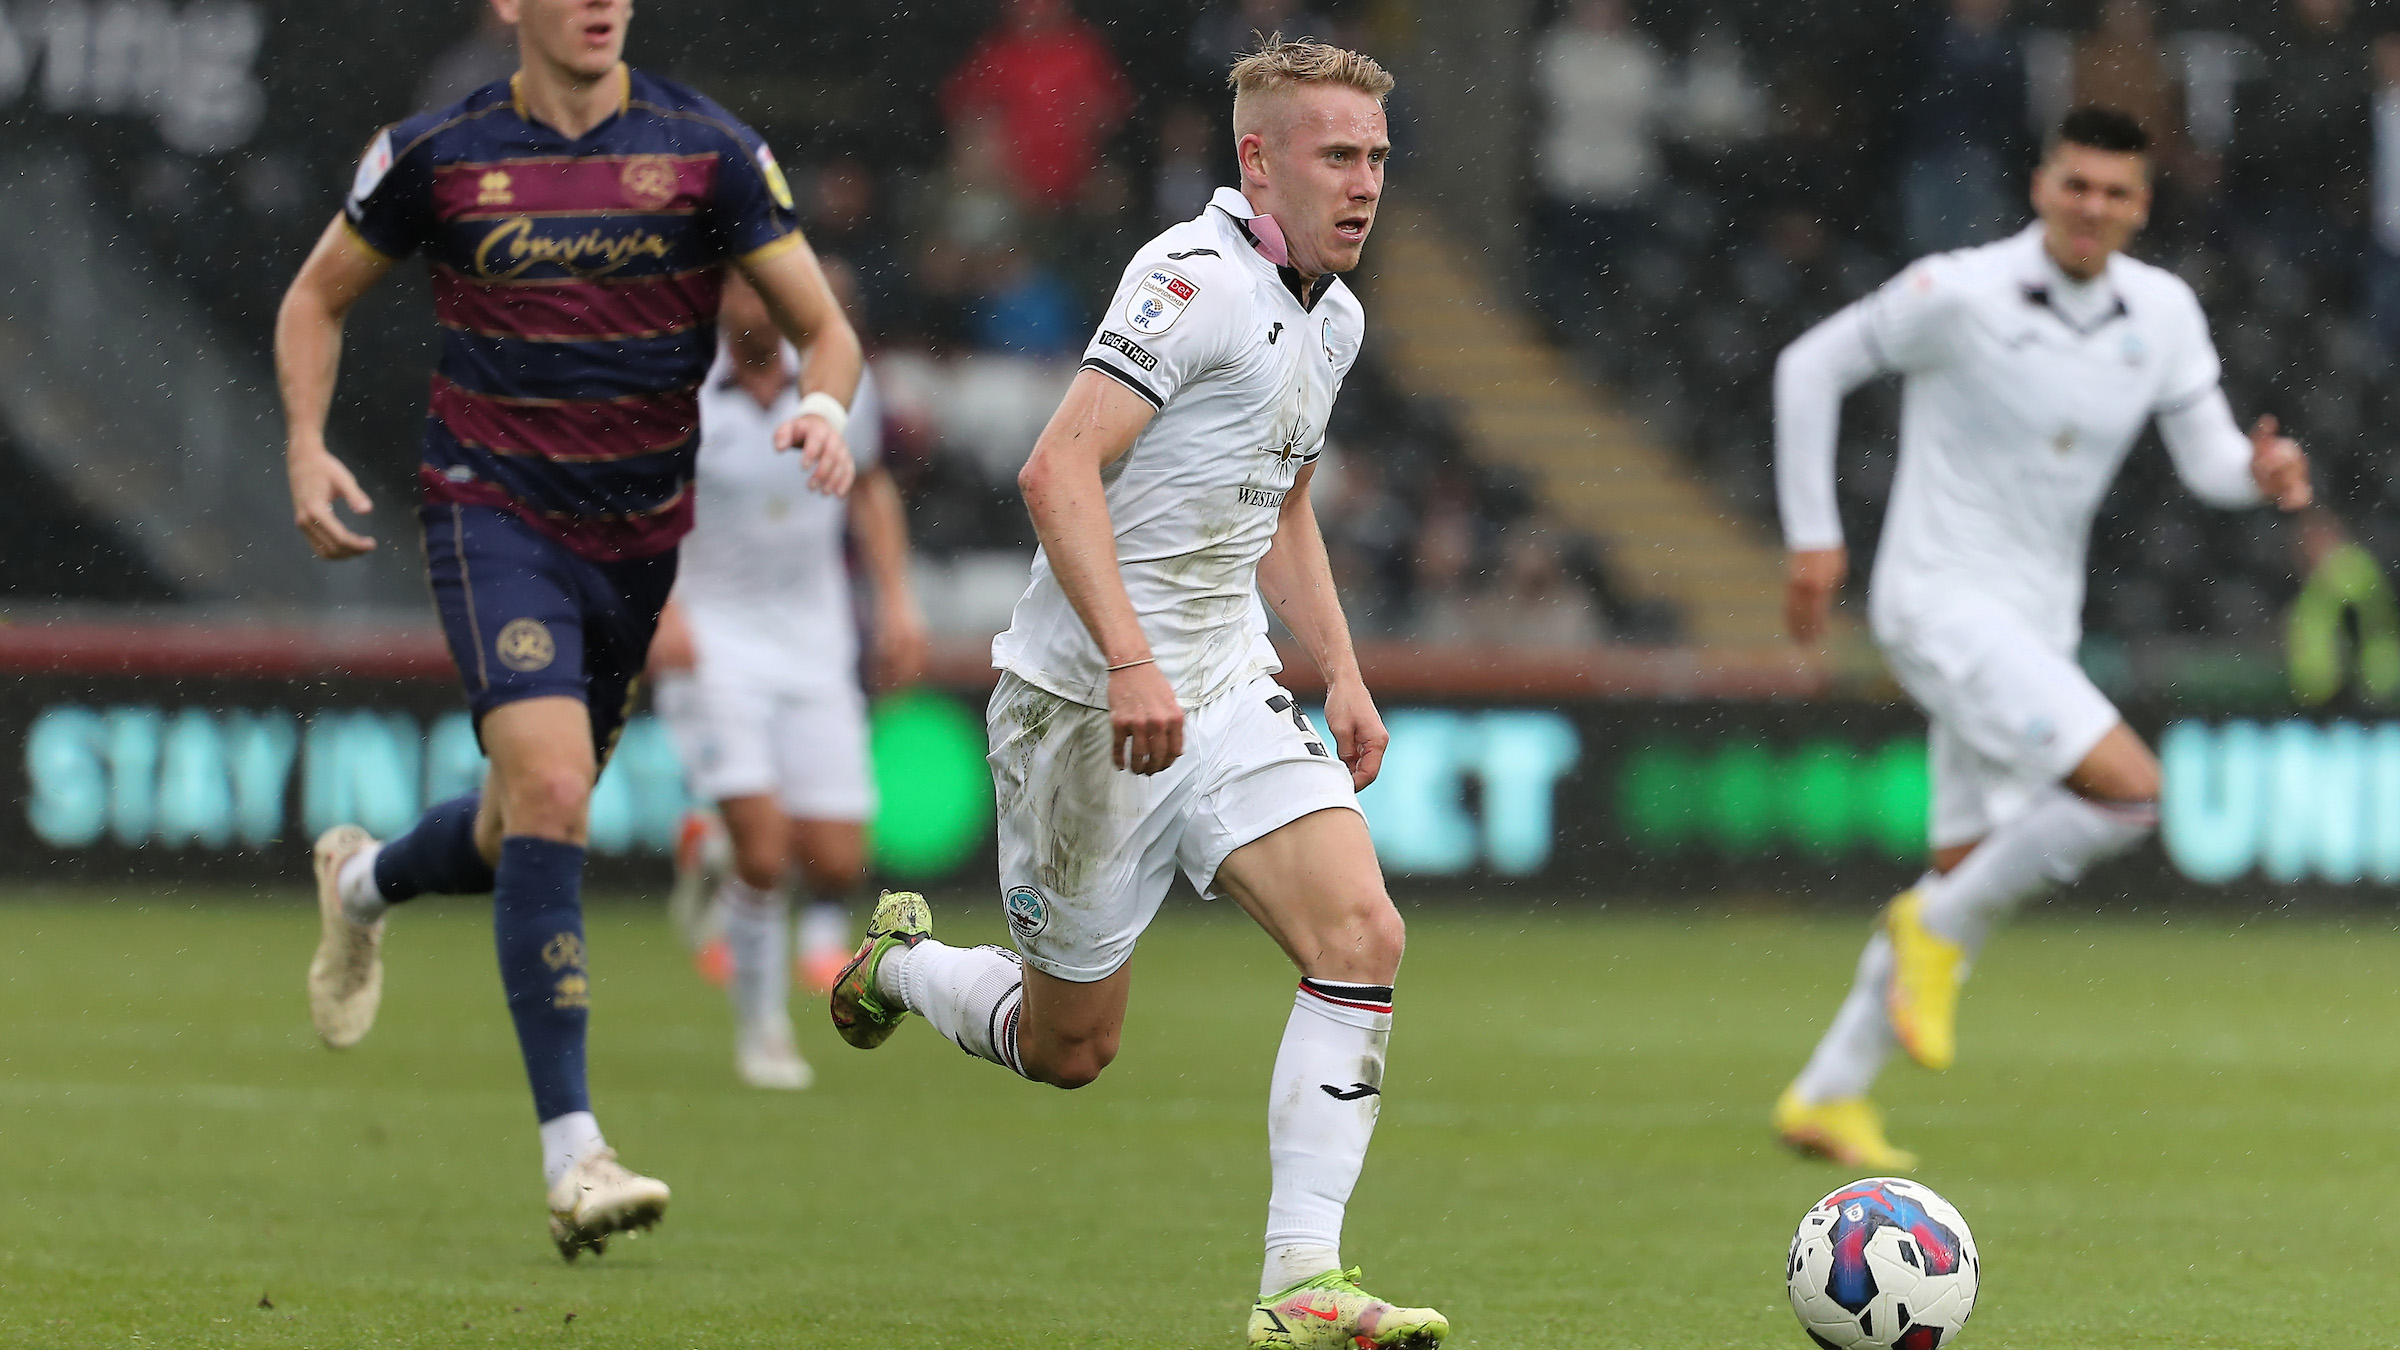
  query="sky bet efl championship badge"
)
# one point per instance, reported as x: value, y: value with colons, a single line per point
x: 1158, y: 302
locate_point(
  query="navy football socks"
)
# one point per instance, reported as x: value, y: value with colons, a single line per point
x: 537, y: 922
x: 437, y: 854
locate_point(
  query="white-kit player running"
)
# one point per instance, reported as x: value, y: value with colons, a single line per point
x: 757, y: 665
x: 1136, y: 728
x: 2029, y: 366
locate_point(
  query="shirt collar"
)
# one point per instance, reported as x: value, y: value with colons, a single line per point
x: 516, y: 94
x: 1267, y: 242
x: 2084, y: 306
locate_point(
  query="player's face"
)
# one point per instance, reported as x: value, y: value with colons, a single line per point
x: 1326, y: 171
x: 2092, y: 203
x: 583, y: 37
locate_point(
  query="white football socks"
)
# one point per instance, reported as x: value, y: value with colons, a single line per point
x: 971, y: 995
x: 2057, y: 839
x: 1326, y: 1093
x: 567, y: 1138
x: 825, y: 927
x: 1852, y: 1053
x: 361, y: 903
x: 755, y: 935
x: 2053, y: 843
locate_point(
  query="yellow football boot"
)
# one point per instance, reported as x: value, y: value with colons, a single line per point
x: 1926, y: 972
x: 1331, y: 1312
x: 1849, y: 1131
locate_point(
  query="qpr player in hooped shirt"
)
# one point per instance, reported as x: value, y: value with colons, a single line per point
x: 2030, y: 365
x: 576, y: 219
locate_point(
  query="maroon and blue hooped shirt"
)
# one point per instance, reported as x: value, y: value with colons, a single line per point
x: 577, y: 284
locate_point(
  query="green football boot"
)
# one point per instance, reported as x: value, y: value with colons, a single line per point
x: 1331, y: 1312
x: 863, y: 1016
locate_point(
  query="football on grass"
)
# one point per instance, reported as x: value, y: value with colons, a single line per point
x: 1883, y: 1263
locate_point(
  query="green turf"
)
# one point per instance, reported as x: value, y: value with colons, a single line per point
x: 2164, y: 1136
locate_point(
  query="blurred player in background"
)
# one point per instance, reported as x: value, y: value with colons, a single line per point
x: 757, y: 669
x: 1137, y: 727
x: 2030, y: 366
x: 576, y: 219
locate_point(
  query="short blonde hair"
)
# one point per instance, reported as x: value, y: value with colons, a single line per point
x: 1278, y: 65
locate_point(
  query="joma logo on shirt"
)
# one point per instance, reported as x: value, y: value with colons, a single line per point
x: 512, y: 248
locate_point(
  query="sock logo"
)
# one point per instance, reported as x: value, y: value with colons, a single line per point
x: 564, y: 952
x: 1351, y: 1093
x: 1028, y: 913
x: 571, y: 991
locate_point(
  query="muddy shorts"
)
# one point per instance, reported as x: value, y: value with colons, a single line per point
x: 1087, y: 850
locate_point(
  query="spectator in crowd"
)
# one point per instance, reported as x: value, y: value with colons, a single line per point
x: 2382, y: 272
x: 1224, y: 31
x: 1601, y: 84
x: 2122, y: 64
x: 2301, y: 136
x: 1185, y: 172
x: 1368, y: 531
x: 1963, y: 139
x: 1811, y: 154
x: 1442, y: 591
x: 1536, y: 603
x: 1717, y: 104
x: 1022, y: 306
x: 843, y: 223
x: 1054, y: 89
x: 487, y: 54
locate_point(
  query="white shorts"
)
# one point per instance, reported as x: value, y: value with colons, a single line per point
x: 2011, y: 715
x: 748, y: 738
x: 1087, y: 849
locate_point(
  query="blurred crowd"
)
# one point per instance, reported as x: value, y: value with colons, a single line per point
x: 1702, y: 180
x: 1705, y: 191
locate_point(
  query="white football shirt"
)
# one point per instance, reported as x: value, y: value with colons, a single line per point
x: 762, y: 576
x: 1243, y: 375
x: 2023, y: 391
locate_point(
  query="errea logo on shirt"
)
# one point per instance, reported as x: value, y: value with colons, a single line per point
x: 1159, y: 301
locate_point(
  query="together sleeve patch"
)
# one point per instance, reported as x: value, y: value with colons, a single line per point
x: 1133, y: 350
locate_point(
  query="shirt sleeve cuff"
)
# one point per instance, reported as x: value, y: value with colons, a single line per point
x: 1124, y: 377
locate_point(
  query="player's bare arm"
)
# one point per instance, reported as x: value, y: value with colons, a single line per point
x: 880, y: 525
x: 308, y: 353
x: 803, y: 307
x: 1095, y: 426
x: 1296, y: 578
x: 1812, y: 578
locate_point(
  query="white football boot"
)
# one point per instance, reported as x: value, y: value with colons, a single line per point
x: 599, y: 1196
x: 345, y: 978
x: 767, y: 1055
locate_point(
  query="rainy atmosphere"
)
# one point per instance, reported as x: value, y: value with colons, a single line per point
x: 1638, y: 544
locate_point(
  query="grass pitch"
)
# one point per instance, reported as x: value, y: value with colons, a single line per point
x: 2163, y: 1135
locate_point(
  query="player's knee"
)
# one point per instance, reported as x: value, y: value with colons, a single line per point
x: 1365, y: 942
x: 549, y: 800
x: 758, y: 862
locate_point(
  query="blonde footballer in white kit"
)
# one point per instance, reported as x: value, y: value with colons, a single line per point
x: 2030, y: 366
x: 1137, y: 729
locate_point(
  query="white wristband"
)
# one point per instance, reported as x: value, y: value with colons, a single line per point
x: 822, y: 404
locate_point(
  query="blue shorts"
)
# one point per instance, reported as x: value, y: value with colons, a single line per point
x: 527, y: 617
